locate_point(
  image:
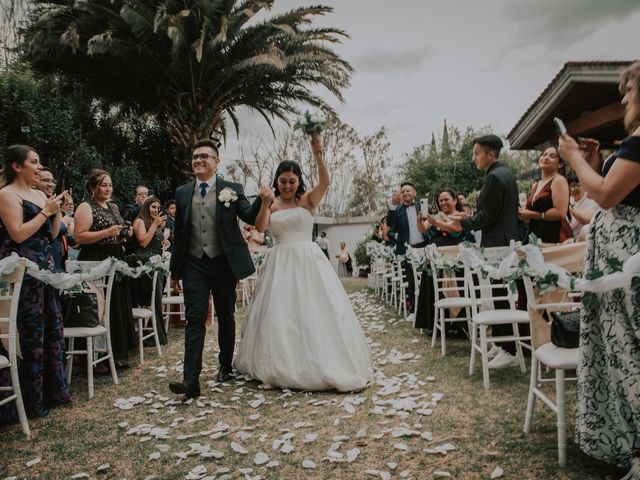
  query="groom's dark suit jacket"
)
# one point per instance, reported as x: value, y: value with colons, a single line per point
x: 497, y: 212
x: 228, y: 231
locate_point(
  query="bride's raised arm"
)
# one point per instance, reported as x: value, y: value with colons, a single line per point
x: 314, y: 196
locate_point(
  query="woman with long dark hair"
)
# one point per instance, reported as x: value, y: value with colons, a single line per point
x: 301, y: 331
x: 101, y: 233
x: 147, y: 228
x: 30, y: 222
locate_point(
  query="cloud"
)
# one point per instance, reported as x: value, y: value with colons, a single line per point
x: 383, y: 61
x: 381, y: 109
x: 556, y: 23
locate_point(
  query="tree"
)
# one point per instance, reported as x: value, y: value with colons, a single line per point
x: 372, y: 181
x: 189, y: 63
x: 259, y: 158
x: 12, y: 14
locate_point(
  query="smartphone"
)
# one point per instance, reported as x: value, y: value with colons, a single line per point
x: 424, y: 207
x: 559, y: 124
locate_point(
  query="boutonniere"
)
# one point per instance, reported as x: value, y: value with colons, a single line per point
x: 227, y: 195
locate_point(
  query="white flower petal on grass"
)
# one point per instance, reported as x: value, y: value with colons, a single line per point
x: 255, y: 416
x: 392, y: 465
x: 372, y: 472
x: 154, y: 456
x: 103, y: 468
x: 310, y: 437
x: 287, y: 447
x: 427, y: 436
x: 260, y: 458
x: 384, y: 475
x: 401, y: 446
x: 80, y: 475
x: 236, y: 447
x: 273, y: 464
x: 441, y: 474
x: 497, y: 472
x: 352, y: 454
x: 308, y: 464
x: 33, y: 462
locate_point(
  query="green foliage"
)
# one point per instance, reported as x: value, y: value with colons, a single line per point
x: 363, y: 259
x: 189, y: 63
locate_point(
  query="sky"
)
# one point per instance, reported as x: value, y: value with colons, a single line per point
x: 474, y: 62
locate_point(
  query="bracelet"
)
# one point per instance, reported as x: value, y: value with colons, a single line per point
x: 44, y: 215
x: 542, y: 215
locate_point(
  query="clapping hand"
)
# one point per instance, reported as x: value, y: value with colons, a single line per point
x: 160, y: 220
x: 396, y: 198
x: 266, y: 195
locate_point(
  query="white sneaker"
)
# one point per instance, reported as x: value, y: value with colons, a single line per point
x: 493, y: 351
x: 411, y: 317
x: 503, y: 360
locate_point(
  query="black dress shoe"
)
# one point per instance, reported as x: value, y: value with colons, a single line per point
x: 224, y: 374
x: 191, y: 390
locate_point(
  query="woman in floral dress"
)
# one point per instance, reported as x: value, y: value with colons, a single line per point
x: 30, y: 221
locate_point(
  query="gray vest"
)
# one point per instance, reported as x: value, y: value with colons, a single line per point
x: 204, y: 231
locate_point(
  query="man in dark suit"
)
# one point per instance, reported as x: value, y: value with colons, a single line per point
x: 402, y: 220
x: 497, y: 218
x: 497, y: 209
x: 210, y: 255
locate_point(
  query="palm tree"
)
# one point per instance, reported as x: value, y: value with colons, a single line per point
x: 189, y: 63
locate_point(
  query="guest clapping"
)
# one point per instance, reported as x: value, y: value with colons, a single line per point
x: 439, y: 226
x: 30, y: 222
x: 548, y: 202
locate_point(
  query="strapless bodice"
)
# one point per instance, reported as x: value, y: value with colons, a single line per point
x: 291, y: 225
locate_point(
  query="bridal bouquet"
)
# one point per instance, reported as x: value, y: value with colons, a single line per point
x: 310, y: 124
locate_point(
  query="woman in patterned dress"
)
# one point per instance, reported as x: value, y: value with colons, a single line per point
x: 100, y: 231
x: 30, y: 221
x: 608, y: 404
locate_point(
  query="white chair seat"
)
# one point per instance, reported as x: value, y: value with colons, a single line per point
x: 556, y: 357
x: 4, y: 362
x: 142, y: 313
x: 177, y: 300
x: 496, y: 317
x: 453, y: 302
x: 85, y: 331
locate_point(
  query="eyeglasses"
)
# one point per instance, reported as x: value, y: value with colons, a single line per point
x: 143, y: 194
x: 202, y: 156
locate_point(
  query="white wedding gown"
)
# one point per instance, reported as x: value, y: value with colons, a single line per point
x: 301, y: 331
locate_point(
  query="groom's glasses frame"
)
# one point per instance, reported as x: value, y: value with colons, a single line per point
x: 202, y: 156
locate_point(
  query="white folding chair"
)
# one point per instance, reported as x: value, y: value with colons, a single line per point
x: 546, y: 354
x: 487, y: 292
x: 168, y: 301
x: 9, y: 298
x: 105, y: 284
x: 146, y: 321
x: 450, y: 295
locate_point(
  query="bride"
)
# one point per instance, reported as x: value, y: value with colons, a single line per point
x: 301, y: 331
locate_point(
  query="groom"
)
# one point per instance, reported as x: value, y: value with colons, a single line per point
x: 210, y: 255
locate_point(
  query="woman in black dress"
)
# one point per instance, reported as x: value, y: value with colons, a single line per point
x: 148, y: 230
x: 101, y: 233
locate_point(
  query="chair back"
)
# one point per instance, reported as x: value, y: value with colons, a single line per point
x: 103, y: 284
x: 9, y: 299
x: 447, y: 283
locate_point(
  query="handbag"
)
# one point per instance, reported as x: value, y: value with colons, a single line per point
x: 81, y: 309
x: 565, y: 329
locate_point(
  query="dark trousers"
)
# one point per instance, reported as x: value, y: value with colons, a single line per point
x: 200, y: 279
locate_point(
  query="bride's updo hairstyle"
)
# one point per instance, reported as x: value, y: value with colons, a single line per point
x: 293, y: 167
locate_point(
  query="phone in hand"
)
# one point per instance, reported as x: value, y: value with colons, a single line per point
x: 424, y: 207
x: 559, y: 124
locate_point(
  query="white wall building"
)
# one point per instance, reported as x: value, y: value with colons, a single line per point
x: 349, y: 230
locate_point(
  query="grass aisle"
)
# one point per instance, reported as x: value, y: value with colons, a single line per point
x: 423, y: 418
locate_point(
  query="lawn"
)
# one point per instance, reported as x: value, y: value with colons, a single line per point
x: 423, y: 418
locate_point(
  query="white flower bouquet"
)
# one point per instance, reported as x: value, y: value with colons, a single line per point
x: 310, y: 124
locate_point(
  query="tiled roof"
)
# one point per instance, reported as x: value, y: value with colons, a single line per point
x: 596, y: 64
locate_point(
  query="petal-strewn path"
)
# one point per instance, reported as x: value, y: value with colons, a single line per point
x: 423, y: 418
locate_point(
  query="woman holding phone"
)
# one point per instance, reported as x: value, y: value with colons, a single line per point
x: 607, y: 408
x: 29, y: 223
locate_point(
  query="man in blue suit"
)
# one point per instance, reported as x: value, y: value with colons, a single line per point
x: 402, y: 219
